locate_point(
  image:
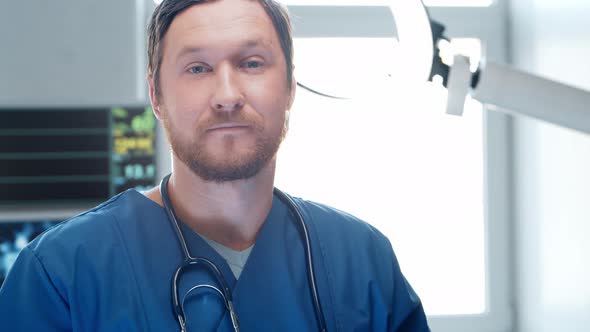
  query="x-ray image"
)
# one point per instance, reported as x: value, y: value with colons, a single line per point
x: 14, y: 236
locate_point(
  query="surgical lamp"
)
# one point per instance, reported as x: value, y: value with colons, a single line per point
x: 512, y: 91
x: 499, y: 87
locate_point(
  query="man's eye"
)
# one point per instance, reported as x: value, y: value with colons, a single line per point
x: 198, y: 69
x: 253, y: 64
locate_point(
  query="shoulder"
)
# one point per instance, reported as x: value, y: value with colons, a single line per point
x: 92, y: 229
x: 358, y: 267
x: 341, y: 224
x: 80, y: 263
x: 340, y: 235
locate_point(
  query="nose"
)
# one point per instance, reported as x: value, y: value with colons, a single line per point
x: 228, y: 96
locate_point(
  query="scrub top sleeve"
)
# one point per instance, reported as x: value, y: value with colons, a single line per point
x: 29, y: 301
x: 408, y: 313
x: 415, y: 320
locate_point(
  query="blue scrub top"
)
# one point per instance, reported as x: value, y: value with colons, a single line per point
x: 110, y: 269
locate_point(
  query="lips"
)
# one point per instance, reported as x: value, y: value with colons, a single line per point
x: 228, y: 126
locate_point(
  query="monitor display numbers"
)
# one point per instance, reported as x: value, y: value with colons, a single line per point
x: 133, y: 155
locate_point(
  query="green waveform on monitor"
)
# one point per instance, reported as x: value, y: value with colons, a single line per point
x: 137, y: 121
x: 145, y: 123
x: 119, y: 113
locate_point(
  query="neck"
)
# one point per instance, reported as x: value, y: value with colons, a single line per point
x: 230, y: 213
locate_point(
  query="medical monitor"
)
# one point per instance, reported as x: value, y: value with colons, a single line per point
x: 74, y: 155
x: 14, y: 236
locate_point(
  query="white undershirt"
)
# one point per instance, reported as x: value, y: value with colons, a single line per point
x: 235, y: 259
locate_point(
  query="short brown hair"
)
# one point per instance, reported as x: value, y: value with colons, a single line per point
x: 166, y: 11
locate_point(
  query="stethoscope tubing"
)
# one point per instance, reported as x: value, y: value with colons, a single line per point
x: 190, y: 260
x: 309, y: 258
x: 225, y: 291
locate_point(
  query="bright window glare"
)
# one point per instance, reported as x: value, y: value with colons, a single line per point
x: 397, y: 161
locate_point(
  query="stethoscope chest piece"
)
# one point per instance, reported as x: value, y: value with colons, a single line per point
x: 224, y: 291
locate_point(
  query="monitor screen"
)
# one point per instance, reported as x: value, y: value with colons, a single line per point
x: 14, y: 236
x: 74, y: 155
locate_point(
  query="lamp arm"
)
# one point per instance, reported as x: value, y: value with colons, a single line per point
x: 516, y: 92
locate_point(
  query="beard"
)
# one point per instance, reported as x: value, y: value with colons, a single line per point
x: 231, y: 166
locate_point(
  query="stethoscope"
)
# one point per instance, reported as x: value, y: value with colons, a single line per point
x: 224, y: 291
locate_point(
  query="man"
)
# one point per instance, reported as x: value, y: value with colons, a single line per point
x: 221, y: 82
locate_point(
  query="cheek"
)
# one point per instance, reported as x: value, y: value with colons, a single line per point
x: 272, y: 108
x: 185, y: 102
x: 269, y: 97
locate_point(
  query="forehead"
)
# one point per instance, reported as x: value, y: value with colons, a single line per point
x: 220, y: 24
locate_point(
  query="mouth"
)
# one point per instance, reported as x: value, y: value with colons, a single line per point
x: 228, y: 126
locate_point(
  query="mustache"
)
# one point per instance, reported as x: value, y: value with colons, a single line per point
x: 217, y: 119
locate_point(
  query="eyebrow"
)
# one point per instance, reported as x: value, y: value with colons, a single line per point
x: 248, y: 44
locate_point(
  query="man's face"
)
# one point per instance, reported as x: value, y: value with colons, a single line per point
x: 224, y: 93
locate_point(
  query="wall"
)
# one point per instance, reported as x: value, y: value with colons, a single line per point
x: 71, y: 52
x: 552, y: 174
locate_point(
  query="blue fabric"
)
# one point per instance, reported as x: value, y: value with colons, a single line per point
x: 110, y: 269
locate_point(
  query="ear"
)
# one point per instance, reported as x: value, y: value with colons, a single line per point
x: 154, y: 99
x: 292, y: 93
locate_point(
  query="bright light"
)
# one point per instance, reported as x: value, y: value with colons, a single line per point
x: 415, y: 36
x: 397, y: 161
x: 405, y: 61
